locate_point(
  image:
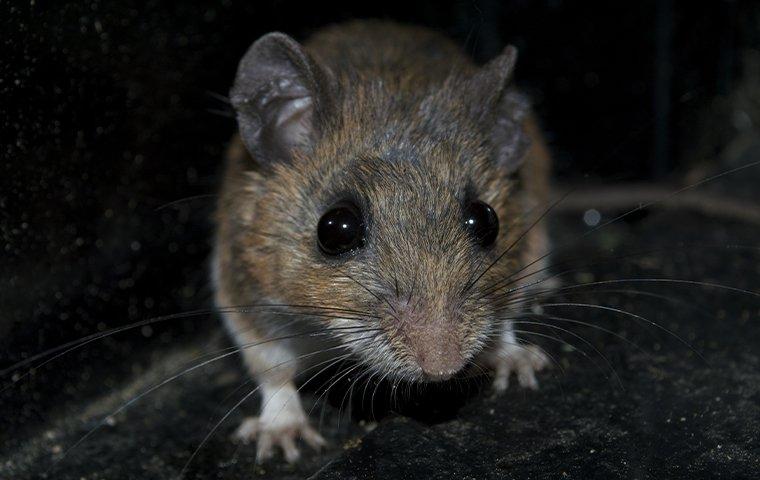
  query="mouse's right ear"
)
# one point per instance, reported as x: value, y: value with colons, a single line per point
x: 282, y: 97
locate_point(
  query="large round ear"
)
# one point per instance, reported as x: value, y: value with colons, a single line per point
x: 282, y: 98
x: 501, y: 108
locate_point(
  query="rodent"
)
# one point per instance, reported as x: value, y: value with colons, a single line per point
x: 376, y: 174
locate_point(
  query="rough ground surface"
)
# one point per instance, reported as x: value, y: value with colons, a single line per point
x: 657, y: 410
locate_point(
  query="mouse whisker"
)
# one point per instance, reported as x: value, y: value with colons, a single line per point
x: 330, y: 362
x: 599, y: 260
x: 174, y: 203
x: 342, y: 360
x: 349, y: 393
x: 522, y: 314
x: 313, y: 353
x: 584, y: 264
x: 595, y: 327
x: 374, y: 373
x: 297, y: 308
x: 522, y: 235
x: 220, y: 97
x: 694, y: 306
x: 74, y: 345
x: 481, y: 370
x: 333, y: 380
x: 551, y: 357
x: 222, y: 420
x: 221, y: 113
x: 226, y: 352
x: 665, y: 280
x: 636, y: 317
x: 579, y: 337
x: 374, y: 392
x: 626, y: 214
x: 377, y: 296
x: 316, y: 352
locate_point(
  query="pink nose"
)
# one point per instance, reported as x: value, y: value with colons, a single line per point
x: 432, y: 336
x: 439, y: 362
x: 436, y: 351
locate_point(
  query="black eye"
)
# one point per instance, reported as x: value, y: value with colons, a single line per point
x: 340, y: 229
x: 482, y: 222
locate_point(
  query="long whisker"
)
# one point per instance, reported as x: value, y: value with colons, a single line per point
x: 668, y: 280
x: 516, y: 241
x: 378, y: 297
x: 227, y: 352
x: 79, y: 343
x: 183, y: 200
x: 563, y: 291
x: 366, y: 373
x: 599, y: 260
x: 590, y: 325
x: 559, y: 340
x: 542, y: 293
x: 632, y: 315
x: 628, y: 213
x: 569, y: 332
x: 213, y: 429
x: 344, y: 343
x: 374, y: 392
x: 211, y: 432
x: 339, y: 378
x: 674, y: 193
x: 374, y: 373
x: 552, y: 358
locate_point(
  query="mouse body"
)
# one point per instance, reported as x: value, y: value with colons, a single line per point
x: 379, y: 190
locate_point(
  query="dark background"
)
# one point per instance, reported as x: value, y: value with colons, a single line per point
x: 112, y: 112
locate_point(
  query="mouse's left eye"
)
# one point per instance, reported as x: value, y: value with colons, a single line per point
x: 340, y: 229
x: 482, y: 222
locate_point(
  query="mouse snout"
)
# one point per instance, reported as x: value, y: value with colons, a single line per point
x: 438, y: 361
x: 433, y: 342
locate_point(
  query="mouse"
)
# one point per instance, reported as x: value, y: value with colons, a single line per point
x: 380, y: 188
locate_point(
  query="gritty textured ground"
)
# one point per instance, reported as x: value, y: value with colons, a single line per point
x: 657, y: 410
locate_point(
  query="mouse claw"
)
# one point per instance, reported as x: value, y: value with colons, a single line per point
x: 288, y: 445
x: 264, y: 450
x: 247, y: 430
x: 313, y: 438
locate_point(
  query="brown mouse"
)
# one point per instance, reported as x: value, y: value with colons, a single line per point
x: 380, y: 185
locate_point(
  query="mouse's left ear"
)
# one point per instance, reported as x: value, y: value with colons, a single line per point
x: 282, y: 98
x: 501, y: 108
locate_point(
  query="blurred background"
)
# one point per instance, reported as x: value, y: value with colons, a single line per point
x: 114, y: 126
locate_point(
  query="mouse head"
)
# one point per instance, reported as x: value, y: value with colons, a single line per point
x: 390, y: 194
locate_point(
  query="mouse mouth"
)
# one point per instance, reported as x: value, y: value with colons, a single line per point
x: 440, y: 376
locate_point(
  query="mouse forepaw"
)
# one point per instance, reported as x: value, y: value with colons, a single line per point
x: 281, y: 433
x: 522, y: 360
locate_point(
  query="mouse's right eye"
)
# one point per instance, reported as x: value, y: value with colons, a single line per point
x: 341, y: 229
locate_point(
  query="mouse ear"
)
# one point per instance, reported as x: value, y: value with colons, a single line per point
x: 281, y: 97
x: 502, y: 109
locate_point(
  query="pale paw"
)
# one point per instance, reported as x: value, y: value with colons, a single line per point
x: 524, y: 361
x: 269, y: 435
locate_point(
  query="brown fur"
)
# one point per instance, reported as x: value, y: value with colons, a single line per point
x: 403, y: 140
